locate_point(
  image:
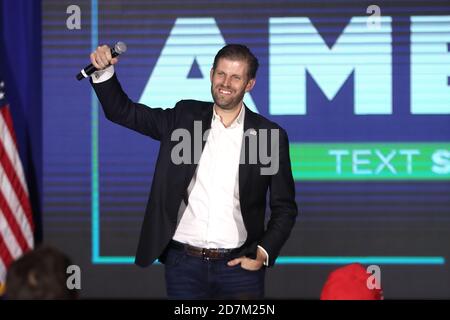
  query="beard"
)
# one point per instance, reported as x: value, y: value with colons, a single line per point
x: 226, y: 102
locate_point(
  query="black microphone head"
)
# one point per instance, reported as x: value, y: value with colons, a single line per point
x: 120, y: 47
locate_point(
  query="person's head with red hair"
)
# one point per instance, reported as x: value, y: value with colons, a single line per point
x: 349, y: 283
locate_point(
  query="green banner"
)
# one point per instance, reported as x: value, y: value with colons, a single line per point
x: 370, y: 161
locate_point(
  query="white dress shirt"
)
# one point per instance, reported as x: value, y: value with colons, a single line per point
x: 212, y: 216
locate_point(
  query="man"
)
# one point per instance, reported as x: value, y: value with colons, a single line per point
x: 205, y: 219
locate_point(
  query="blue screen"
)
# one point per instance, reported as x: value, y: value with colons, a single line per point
x: 362, y: 90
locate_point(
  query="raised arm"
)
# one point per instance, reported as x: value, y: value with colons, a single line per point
x: 153, y: 122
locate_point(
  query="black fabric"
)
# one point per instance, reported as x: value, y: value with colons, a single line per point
x: 170, y: 181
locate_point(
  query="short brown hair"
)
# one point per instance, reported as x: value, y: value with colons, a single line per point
x: 238, y: 52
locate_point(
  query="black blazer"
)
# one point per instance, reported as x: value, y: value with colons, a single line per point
x: 170, y: 181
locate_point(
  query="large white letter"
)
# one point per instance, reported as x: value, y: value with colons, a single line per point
x: 430, y: 65
x: 295, y: 46
x: 191, y: 39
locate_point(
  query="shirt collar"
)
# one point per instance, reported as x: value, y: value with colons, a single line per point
x: 238, y: 121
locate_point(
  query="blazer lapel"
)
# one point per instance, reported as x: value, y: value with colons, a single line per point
x: 206, y: 122
x: 206, y: 117
x: 250, y: 126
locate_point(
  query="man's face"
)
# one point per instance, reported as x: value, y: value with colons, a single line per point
x: 229, y: 83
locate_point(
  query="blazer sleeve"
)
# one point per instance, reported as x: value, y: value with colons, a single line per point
x: 118, y: 108
x: 282, y: 203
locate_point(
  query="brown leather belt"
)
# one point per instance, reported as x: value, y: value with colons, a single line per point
x: 210, y: 253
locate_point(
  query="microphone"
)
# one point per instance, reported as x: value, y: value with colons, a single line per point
x: 119, y: 48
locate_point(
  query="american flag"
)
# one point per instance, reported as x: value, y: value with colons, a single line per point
x: 16, y: 222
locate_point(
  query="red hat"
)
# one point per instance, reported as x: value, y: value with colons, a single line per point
x: 349, y: 283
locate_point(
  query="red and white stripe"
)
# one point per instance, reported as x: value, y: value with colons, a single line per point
x: 16, y: 222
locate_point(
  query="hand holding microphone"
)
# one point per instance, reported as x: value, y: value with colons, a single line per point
x: 102, y: 58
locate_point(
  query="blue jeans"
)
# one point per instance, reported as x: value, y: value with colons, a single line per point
x: 192, y: 277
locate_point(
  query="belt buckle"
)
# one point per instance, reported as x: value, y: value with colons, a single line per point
x: 209, y: 254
